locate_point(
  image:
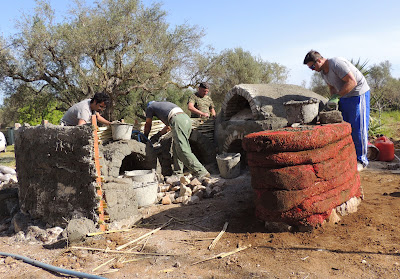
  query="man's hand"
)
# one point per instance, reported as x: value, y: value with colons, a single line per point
x: 155, y: 138
x: 333, y: 103
x: 204, y: 115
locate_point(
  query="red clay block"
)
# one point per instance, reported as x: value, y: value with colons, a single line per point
x: 295, y: 139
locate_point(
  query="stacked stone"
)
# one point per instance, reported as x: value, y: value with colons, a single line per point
x: 301, y: 174
x: 188, y: 190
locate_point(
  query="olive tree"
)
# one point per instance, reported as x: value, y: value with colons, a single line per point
x: 119, y: 47
x: 236, y: 66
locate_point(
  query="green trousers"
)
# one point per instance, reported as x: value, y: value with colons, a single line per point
x: 181, y: 128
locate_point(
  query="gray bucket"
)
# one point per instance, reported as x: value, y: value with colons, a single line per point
x: 121, y: 131
x: 146, y: 193
x: 229, y: 165
x: 303, y: 112
x: 141, y: 175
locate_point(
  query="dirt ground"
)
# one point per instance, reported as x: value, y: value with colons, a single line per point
x: 364, y: 244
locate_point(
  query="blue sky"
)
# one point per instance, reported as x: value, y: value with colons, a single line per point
x: 277, y: 31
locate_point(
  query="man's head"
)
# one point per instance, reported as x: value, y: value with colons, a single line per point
x: 99, y: 101
x: 203, y: 89
x: 314, y: 60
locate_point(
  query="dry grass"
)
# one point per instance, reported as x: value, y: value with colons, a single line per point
x: 8, y: 158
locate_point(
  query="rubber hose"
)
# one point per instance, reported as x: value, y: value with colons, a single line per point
x: 52, y: 267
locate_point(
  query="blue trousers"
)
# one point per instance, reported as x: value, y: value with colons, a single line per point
x: 355, y: 110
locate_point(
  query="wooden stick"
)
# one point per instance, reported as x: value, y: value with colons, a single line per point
x: 223, y: 255
x: 141, y: 249
x: 103, y: 264
x: 212, y: 245
x: 143, y: 236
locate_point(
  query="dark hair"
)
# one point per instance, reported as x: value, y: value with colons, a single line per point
x: 100, y: 97
x: 312, y: 56
x: 204, y: 85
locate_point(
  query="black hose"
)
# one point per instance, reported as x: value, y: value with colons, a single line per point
x: 52, y: 267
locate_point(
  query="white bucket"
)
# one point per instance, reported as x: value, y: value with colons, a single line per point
x: 303, y: 112
x: 121, y: 131
x: 146, y: 193
x: 141, y: 175
x: 229, y: 165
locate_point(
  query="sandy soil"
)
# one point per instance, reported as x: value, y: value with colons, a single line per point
x: 365, y: 244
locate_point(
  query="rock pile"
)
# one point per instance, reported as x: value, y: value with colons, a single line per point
x: 7, y: 175
x: 188, y: 190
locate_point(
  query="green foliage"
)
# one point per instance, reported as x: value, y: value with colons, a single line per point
x: 132, y: 108
x: 361, y: 66
x: 375, y: 126
x: 385, y: 90
x: 26, y: 105
x: 318, y: 85
x: 34, y: 114
x: 235, y: 66
x: 120, y: 47
x: 388, y: 124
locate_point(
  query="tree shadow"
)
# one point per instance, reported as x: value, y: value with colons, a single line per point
x: 235, y: 204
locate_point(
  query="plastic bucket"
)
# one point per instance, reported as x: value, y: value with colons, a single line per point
x: 141, y: 175
x: 372, y: 152
x: 121, y: 131
x: 303, y: 112
x: 146, y: 193
x: 229, y: 165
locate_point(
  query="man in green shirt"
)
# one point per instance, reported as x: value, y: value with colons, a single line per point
x: 200, y: 104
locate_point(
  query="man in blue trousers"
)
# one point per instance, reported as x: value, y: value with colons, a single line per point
x: 349, y: 89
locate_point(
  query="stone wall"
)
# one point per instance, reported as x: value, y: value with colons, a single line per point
x: 56, y: 172
x: 57, y: 176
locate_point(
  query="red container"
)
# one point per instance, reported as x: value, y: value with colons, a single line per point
x: 386, y: 149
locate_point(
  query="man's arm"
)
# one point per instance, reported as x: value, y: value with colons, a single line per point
x: 147, y: 126
x: 164, y: 130
x: 101, y: 119
x: 350, y: 83
x: 196, y: 111
x: 81, y: 122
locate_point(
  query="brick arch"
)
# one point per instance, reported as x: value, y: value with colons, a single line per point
x: 119, y: 156
x: 231, y: 138
x: 237, y: 99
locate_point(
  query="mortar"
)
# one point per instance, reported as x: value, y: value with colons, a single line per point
x: 303, y: 112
